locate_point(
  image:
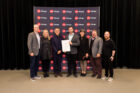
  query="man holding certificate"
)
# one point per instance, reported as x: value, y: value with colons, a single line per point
x: 74, y: 42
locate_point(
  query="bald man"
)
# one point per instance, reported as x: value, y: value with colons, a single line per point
x: 108, y: 56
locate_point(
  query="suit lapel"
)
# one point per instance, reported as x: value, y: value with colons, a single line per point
x: 89, y: 41
x: 73, y: 37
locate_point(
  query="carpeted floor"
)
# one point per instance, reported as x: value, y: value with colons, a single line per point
x: 18, y: 81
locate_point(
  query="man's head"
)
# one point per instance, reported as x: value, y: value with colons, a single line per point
x: 107, y: 35
x: 70, y: 29
x: 94, y: 33
x: 36, y: 28
x: 57, y: 31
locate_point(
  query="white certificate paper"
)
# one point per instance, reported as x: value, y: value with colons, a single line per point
x: 65, y: 45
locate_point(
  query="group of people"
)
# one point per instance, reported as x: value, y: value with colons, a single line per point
x: 81, y: 48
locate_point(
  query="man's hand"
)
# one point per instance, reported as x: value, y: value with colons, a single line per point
x: 70, y: 43
x: 98, y: 55
x: 86, y: 55
x: 111, y: 58
x: 64, y: 51
x: 31, y: 54
x: 59, y: 52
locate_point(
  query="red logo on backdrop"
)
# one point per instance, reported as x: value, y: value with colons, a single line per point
x: 76, y: 11
x: 77, y: 67
x: 51, y: 67
x: 63, y: 30
x: 51, y: 30
x: 39, y: 24
x: 76, y: 18
x: 64, y: 36
x: 88, y: 61
x: 51, y: 36
x: 88, y: 36
x: 40, y: 68
x: 63, y: 24
x: 51, y: 61
x: 51, y: 17
x: 38, y: 10
x: 64, y: 55
x: 88, y: 17
x: 76, y: 30
x: 64, y: 68
x: 88, y: 24
x: 51, y: 11
x: 63, y: 18
x: 64, y: 61
x: 76, y: 24
x: 51, y: 24
x: 38, y: 17
x: 63, y: 11
x: 88, y: 11
x: 88, y: 30
x: 88, y: 67
x: 40, y: 62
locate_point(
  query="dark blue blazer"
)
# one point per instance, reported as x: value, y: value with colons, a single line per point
x: 56, y: 43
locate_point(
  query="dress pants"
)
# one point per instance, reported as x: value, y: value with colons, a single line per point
x: 71, y: 63
x: 96, y: 65
x: 34, y: 63
x: 46, y: 65
x: 57, y: 63
x: 108, y: 66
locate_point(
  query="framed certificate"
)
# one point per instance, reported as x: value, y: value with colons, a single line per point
x: 65, y: 45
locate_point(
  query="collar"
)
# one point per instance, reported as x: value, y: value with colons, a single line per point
x: 71, y: 34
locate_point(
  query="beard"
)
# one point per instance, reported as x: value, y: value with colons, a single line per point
x: 106, y: 38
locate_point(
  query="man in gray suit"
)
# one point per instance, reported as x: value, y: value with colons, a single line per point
x: 33, y: 47
x: 71, y: 56
x: 95, y: 45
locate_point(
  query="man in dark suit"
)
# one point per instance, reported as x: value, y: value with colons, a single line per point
x: 57, y: 52
x: 71, y: 56
x: 33, y: 47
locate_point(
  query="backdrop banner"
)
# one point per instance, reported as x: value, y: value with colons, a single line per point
x: 87, y: 18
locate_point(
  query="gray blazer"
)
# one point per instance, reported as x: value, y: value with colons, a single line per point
x: 75, y: 43
x: 32, y: 44
x: 97, y: 46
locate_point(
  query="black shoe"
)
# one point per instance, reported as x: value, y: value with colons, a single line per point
x: 75, y: 75
x: 46, y: 75
x: 55, y: 75
x: 99, y: 77
x: 93, y: 75
x: 60, y: 75
x: 68, y: 75
x: 82, y: 74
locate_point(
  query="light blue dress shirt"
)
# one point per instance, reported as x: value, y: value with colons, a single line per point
x: 71, y: 36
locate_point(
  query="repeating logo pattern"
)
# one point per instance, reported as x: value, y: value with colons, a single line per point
x: 87, y: 18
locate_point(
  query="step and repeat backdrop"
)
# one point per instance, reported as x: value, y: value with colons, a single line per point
x: 87, y: 18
